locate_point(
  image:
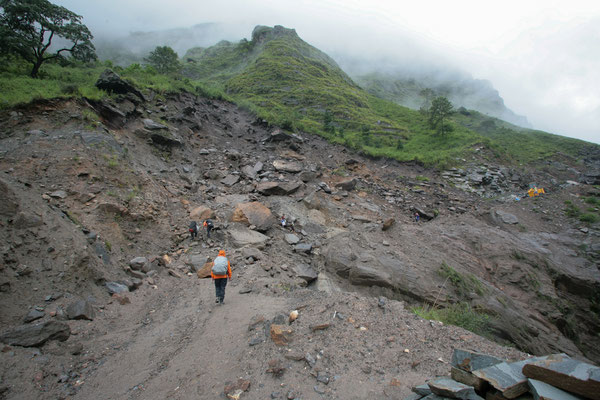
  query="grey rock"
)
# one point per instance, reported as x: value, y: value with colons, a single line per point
x: 230, y: 180
x: 214, y: 174
x: 151, y: 125
x: 277, y: 188
x: 115, y: 287
x: 8, y: 200
x: 59, y: 194
x: 543, y: 391
x: 310, y: 360
x: 507, y: 218
x: 306, y: 272
x: 566, y: 373
x: 81, y: 310
x: 242, y: 236
x: 470, y: 360
x: 303, y: 248
x: 255, y: 341
x: 347, y: 184
x: 450, y: 388
x: 32, y: 315
x: 249, y: 172
x: 112, y: 83
x: 423, y: 390
x: 32, y: 335
x: 290, y: 238
x: 287, y: 166
x: 323, y: 377
x: 139, y: 264
x: 27, y: 220
x: 258, y: 166
x: 325, y: 187
x: 507, y: 378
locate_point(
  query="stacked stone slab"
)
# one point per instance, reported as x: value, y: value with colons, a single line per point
x: 476, y: 376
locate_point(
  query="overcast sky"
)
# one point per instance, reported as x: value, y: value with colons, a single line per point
x: 542, y: 56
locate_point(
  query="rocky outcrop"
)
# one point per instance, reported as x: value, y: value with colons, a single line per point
x: 36, y: 334
x: 112, y: 83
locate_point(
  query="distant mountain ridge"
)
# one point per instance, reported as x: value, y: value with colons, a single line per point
x: 462, y: 90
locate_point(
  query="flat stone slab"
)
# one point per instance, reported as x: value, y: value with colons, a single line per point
x: 471, y: 361
x: 291, y: 238
x: 543, y: 391
x: 230, y: 180
x: 566, y: 373
x: 507, y: 378
x: 450, y: 388
x: 422, y: 390
x: 467, y: 378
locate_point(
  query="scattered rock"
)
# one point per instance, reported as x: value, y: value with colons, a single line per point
x: 388, y: 224
x: 306, y: 272
x: 33, y: 315
x: 81, y: 310
x: 281, y: 335
x: 115, y: 287
x: 287, y: 166
x: 32, y: 335
x: 233, y: 390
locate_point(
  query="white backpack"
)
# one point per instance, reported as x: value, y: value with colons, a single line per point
x: 220, y: 266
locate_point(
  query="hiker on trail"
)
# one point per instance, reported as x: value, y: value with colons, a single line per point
x: 417, y: 216
x: 282, y: 221
x: 220, y: 271
x: 208, y: 224
x: 193, y: 229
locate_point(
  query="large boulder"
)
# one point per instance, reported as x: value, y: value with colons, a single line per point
x: 277, y: 188
x: 201, y: 213
x: 254, y: 213
x: 36, y: 334
x: 111, y: 82
x: 242, y: 236
x: 345, y: 256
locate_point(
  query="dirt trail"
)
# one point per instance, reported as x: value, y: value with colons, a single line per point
x: 182, y: 348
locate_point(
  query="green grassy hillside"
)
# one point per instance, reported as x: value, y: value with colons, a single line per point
x: 291, y: 84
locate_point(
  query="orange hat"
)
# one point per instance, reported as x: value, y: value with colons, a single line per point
x: 222, y: 253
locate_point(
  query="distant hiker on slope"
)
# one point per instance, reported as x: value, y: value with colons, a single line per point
x: 193, y: 229
x: 220, y: 271
x: 208, y: 224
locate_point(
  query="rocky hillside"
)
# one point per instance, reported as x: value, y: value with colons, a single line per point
x: 100, y: 281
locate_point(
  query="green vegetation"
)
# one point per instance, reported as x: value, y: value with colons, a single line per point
x: 440, y: 110
x: 290, y: 84
x: 27, y: 28
x: 459, y: 314
x: 164, y: 59
x: 463, y: 283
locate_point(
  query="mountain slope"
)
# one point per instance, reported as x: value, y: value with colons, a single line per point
x: 289, y: 83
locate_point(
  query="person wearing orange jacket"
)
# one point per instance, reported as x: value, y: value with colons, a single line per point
x: 220, y: 271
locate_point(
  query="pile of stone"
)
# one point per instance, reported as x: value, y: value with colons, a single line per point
x: 479, y: 376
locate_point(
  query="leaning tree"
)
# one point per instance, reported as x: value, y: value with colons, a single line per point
x: 28, y: 28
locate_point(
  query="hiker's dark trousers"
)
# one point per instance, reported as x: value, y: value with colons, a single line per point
x: 208, y: 229
x: 220, y: 288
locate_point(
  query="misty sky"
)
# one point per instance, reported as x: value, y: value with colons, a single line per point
x: 542, y: 56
